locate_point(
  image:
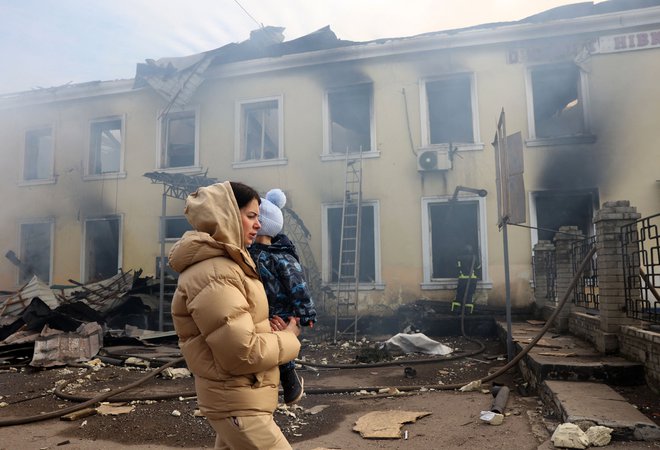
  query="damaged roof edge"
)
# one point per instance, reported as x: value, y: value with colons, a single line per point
x: 65, y: 92
x: 486, y: 34
x: 509, y: 32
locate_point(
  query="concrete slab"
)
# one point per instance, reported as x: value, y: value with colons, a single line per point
x: 600, y: 404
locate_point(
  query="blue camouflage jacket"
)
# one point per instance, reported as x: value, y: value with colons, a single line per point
x: 283, y: 278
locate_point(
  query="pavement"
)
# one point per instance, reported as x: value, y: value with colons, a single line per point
x: 572, y: 379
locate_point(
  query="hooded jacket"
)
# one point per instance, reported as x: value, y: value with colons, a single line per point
x: 283, y: 277
x: 220, y: 312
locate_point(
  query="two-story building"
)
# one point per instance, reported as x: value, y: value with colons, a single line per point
x: 579, y: 82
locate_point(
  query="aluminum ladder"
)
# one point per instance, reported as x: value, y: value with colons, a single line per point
x: 348, y: 267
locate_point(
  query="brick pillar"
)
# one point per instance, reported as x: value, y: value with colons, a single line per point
x: 543, y: 254
x: 563, y: 243
x: 609, y: 220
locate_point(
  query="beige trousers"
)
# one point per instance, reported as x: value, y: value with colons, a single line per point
x: 249, y: 433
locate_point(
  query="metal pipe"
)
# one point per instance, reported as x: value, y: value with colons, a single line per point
x: 499, y: 402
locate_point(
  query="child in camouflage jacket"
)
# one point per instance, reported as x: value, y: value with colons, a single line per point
x: 283, y: 279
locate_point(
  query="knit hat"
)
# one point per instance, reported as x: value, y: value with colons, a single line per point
x: 270, y: 213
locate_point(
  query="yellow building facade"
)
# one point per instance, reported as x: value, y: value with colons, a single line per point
x: 581, y: 89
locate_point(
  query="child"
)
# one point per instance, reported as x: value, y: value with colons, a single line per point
x: 283, y: 279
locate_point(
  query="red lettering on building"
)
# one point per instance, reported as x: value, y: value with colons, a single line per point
x: 620, y: 42
x: 655, y: 37
x: 631, y: 40
x: 642, y: 40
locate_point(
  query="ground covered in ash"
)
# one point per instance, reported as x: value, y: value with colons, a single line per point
x: 175, y: 422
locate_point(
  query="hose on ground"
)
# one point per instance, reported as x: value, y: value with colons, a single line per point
x: 92, y: 401
x: 501, y: 371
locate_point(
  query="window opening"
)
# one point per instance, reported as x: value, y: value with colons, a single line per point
x: 557, y: 209
x: 366, y: 242
x: 350, y: 119
x: 105, y: 152
x: 558, y: 108
x: 450, y: 110
x: 101, y: 248
x: 454, y: 234
x: 176, y: 226
x: 38, y: 164
x: 35, y: 251
x: 260, y: 130
x: 178, y: 140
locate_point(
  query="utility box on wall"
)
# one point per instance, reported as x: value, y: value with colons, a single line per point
x: 430, y: 160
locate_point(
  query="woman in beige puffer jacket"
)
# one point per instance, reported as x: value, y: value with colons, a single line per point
x: 220, y: 313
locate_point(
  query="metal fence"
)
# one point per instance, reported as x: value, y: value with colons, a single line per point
x: 640, y: 245
x: 586, y: 292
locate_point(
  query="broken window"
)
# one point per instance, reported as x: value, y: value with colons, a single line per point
x: 178, y: 140
x: 260, y: 130
x: 449, y: 113
x: 557, y: 99
x: 35, y: 251
x: 454, y: 236
x: 38, y: 163
x: 555, y: 209
x: 101, y: 248
x: 105, y: 147
x: 349, y: 112
x: 367, y: 243
x: 175, y: 226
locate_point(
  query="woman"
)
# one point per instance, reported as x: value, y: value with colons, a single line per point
x: 220, y: 314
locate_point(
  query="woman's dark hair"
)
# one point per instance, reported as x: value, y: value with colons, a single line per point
x: 244, y: 193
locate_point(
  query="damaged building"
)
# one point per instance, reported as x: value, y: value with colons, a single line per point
x: 578, y: 82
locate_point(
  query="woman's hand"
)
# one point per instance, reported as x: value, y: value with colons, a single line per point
x: 278, y: 324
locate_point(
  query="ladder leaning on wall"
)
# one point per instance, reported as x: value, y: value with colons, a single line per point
x: 348, y: 269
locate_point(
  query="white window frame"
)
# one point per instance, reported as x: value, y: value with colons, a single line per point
x: 424, y: 114
x: 160, y: 149
x: 326, y: 250
x: 328, y: 155
x: 238, y: 138
x: 51, y: 222
x: 583, y: 96
x: 108, y: 175
x: 120, y: 243
x: 429, y: 283
x: 163, y: 227
x: 49, y: 180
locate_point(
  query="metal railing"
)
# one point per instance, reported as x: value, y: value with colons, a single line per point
x: 586, y: 292
x: 640, y: 249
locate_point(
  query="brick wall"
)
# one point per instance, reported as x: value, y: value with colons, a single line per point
x: 642, y: 346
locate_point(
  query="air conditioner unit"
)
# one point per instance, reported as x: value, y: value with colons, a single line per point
x: 429, y: 160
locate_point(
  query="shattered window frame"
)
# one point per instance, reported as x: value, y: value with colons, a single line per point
x: 479, y: 227
x: 188, y: 150
x: 557, y: 104
x: 106, y: 148
x: 437, y: 128
x: 370, y: 270
x: 253, y: 140
x: 358, y: 111
x: 103, y: 236
x: 32, y: 247
x: 39, y: 156
x: 172, y: 224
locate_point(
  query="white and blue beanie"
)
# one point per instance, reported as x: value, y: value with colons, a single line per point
x: 270, y: 213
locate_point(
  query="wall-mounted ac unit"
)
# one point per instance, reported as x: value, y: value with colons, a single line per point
x: 433, y: 160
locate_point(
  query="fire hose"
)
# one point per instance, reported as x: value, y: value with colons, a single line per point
x: 113, y: 394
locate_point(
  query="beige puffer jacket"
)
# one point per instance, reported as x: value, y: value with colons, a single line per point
x: 220, y: 312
